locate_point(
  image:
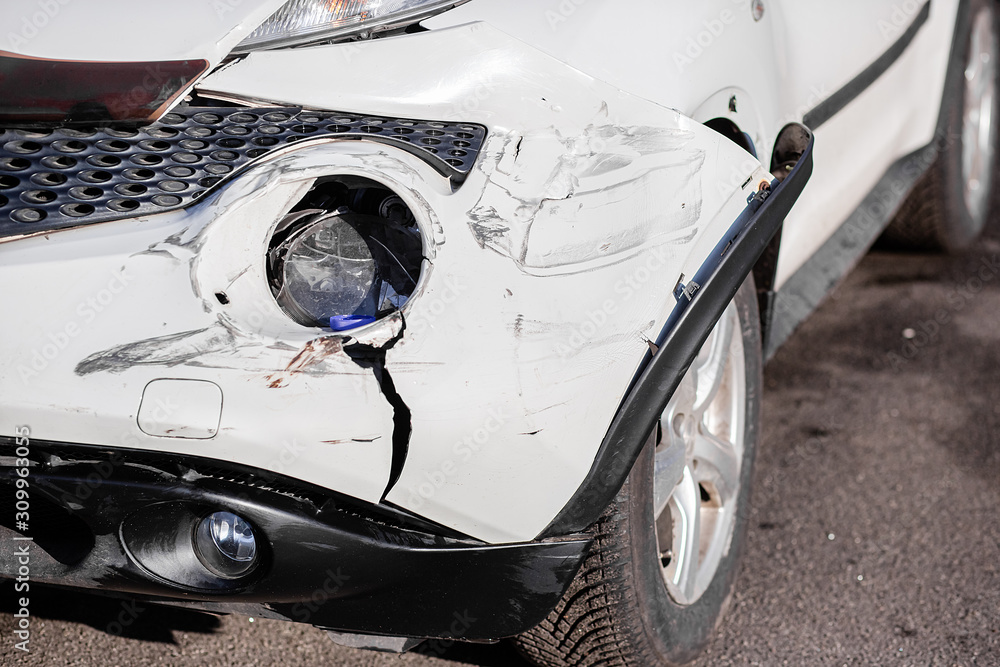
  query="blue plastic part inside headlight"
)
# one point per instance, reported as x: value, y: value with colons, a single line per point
x: 348, y: 322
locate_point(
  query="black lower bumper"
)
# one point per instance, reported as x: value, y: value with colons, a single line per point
x: 122, y: 521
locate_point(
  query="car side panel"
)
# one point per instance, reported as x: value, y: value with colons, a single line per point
x: 682, y: 54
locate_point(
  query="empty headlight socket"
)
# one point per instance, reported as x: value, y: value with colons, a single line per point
x: 349, y: 253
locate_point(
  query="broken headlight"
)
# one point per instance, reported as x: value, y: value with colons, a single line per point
x: 348, y: 254
x: 303, y: 21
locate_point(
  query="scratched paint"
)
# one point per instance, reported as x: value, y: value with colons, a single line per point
x: 546, y: 272
x: 313, y: 353
x: 171, y: 350
x: 601, y: 199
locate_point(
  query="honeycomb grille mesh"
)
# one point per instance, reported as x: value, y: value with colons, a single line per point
x: 72, y: 176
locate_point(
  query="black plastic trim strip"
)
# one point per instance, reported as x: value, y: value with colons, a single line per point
x: 836, y: 102
x: 325, y: 564
x: 686, y: 329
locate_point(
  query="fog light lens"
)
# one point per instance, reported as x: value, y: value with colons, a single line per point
x: 226, y: 544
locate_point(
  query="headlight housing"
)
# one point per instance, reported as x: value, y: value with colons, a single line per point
x: 303, y: 21
x: 348, y: 254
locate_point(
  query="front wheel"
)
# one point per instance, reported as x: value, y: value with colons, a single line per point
x: 666, y: 551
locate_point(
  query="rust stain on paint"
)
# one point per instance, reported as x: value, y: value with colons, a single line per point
x: 312, y: 354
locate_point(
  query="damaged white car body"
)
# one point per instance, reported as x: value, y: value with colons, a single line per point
x: 582, y: 194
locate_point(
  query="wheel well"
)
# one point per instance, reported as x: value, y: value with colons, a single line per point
x: 732, y: 131
x: 766, y: 268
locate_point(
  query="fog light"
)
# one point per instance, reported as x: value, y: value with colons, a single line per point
x: 226, y: 544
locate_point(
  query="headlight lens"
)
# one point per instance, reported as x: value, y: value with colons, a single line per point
x: 349, y: 254
x: 329, y: 270
x: 301, y: 21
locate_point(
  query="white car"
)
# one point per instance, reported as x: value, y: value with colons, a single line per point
x: 420, y: 319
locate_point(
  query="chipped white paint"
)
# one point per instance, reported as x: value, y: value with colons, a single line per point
x: 127, y: 303
x: 603, y: 198
x: 780, y: 68
x: 505, y: 414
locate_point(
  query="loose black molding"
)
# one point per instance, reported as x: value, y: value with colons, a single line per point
x: 683, y: 335
x: 832, y: 105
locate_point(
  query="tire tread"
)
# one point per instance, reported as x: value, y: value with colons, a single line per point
x: 918, y: 224
x: 587, y: 628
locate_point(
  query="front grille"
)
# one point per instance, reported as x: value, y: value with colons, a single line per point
x: 54, y: 179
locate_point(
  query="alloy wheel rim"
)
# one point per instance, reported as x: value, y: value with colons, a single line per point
x: 979, y: 126
x: 698, y: 463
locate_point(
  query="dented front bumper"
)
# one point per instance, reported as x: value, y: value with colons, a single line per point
x: 480, y: 407
x: 120, y: 522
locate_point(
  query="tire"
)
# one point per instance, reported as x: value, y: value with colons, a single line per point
x: 620, y: 610
x: 952, y: 202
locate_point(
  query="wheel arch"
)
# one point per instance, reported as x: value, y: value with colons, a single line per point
x: 733, y: 113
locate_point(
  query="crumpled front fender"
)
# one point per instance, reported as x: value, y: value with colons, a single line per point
x: 547, y: 273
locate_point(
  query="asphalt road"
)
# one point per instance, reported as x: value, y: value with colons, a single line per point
x: 875, y: 535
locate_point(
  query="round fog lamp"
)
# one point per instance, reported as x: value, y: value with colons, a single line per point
x: 226, y: 544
